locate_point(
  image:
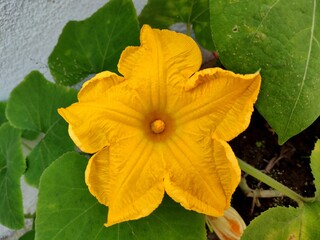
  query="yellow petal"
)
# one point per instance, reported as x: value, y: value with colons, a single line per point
x: 99, y: 110
x: 130, y: 60
x: 95, y: 124
x: 198, y: 168
x: 128, y: 178
x: 228, y: 170
x: 98, y: 86
x: 98, y: 175
x: 163, y: 61
x: 220, y: 101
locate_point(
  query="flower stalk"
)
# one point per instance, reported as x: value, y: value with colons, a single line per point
x: 188, y: 32
x: 271, y: 182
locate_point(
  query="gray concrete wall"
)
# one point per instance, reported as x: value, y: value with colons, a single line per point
x: 29, y: 29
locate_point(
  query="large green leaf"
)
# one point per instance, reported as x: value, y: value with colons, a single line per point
x: 95, y: 44
x: 286, y: 223
x: 315, y: 167
x: 2, y: 112
x: 33, y: 105
x: 66, y: 210
x: 164, y: 13
x: 55, y: 143
x: 27, y: 134
x: 12, y: 166
x: 282, y: 38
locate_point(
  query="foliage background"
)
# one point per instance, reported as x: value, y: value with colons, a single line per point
x: 287, y: 99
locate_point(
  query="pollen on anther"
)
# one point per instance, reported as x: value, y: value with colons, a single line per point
x: 158, y: 126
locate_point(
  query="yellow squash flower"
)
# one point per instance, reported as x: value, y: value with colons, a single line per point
x: 162, y: 127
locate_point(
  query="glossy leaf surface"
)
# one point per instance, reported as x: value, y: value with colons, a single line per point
x: 286, y: 223
x: 37, y: 112
x: 315, y: 167
x: 95, y: 44
x: 12, y: 166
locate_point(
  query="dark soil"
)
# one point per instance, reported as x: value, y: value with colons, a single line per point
x: 259, y: 147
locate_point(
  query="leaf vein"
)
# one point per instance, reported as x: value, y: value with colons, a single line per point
x: 264, y: 18
x: 74, y: 219
x: 305, y: 69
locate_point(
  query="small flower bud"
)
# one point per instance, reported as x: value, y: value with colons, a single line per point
x: 228, y: 227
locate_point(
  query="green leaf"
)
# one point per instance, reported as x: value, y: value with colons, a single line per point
x: 28, y: 236
x: 38, y: 112
x: 286, y: 223
x: 26, y: 133
x: 315, y: 167
x: 12, y: 166
x: 29, y: 135
x: 33, y: 104
x: 55, y: 143
x: 66, y: 210
x: 3, y: 118
x: 163, y: 13
x: 95, y: 44
x: 282, y: 38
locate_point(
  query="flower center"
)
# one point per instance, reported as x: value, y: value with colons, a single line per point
x: 158, y: 126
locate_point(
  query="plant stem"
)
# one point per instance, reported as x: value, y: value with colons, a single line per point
x: 271, y: 182
x: 29, y: 215
x: 258, y: 193
x: 26, y: 145
x: 188, y: 29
